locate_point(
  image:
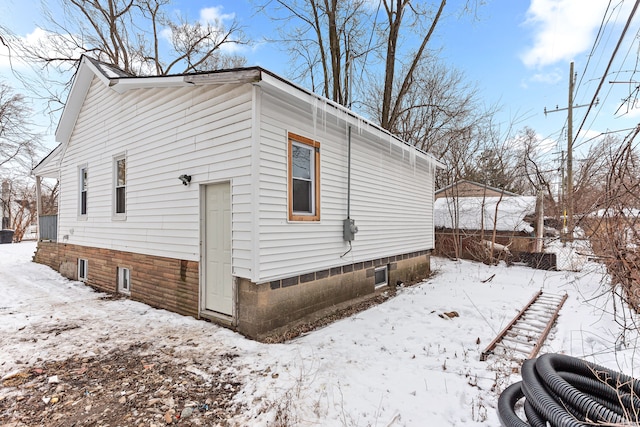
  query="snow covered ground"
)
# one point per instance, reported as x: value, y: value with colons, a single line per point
x: 397, y: 364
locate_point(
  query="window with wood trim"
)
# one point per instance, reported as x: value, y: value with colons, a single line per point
x: 120, y: 190
x: 304, y: 178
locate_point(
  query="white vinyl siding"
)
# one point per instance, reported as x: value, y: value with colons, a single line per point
x: 211, y: 134
x: 202, y: 131
x: 391, y: 193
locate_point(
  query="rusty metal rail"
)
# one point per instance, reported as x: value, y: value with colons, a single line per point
x: 528, y: 330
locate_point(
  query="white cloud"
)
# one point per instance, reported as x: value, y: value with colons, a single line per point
x: 166, y: 34
x: 562, y: 29
x: 550, y: 77
x: 214, y: 15
x: 46, y: 43
x: 210, y: 16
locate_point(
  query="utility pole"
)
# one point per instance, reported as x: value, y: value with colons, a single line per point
x: 561, y: 192
x: 570, y: 155
x: 569, y: 193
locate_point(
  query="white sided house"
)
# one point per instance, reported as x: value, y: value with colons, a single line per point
x: 233, y: 195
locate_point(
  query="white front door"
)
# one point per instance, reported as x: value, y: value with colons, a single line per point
x: 218, y: 287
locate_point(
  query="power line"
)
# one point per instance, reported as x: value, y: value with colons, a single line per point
x: 617, y: 73
x: 606, y: 72
x: 595, y: 44
x: 615, y: 10
x: 630, y: 80
x: 602, y: 134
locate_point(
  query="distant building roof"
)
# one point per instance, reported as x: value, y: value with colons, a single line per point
x: 470, y: 213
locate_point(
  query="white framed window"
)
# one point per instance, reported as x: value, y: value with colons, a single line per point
x: 83, y: 175
x: 381, y: 276
x: 83, y: 269
x: 304, y: 178
x: 120, y: 187
x: 124, y: 280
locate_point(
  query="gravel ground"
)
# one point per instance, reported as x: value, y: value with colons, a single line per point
x: 132, y: 387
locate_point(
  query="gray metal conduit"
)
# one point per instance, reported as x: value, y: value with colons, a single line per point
x: 563, y: 391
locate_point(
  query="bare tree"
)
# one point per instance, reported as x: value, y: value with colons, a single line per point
x: 50, y: 189
x: 341, y: 45
x: 130, y: 34
x: 474, y: 147
x: 397, y: 13
x: 439, y: 109
x: 614, y: 228
x: 137, y: 36
x: 592, y: 174
x: 495, y: 166
x: 535, y: 169
x: 18, y: 144
x: 352, y: 52
x: 19, y: 206
x: 328, y: 41
x: 197, y: 46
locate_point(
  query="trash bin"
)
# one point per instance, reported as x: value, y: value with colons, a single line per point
x: 6, y: 236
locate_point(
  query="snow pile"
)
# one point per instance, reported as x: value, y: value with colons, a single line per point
x: 401, y: 363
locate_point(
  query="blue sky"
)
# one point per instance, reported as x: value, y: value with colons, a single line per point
x: 517, y: 52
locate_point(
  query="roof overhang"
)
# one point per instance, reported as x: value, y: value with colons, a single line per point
x: 81, y: 83
x: 49, y: 166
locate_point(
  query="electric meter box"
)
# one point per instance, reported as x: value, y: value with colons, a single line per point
x: 349, y: 229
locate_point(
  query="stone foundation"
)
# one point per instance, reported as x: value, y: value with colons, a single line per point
x: 173, y: 284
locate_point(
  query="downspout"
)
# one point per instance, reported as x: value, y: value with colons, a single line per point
x: 349, y: 228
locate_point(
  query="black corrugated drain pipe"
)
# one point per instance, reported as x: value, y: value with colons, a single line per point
x: 563, y: 391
